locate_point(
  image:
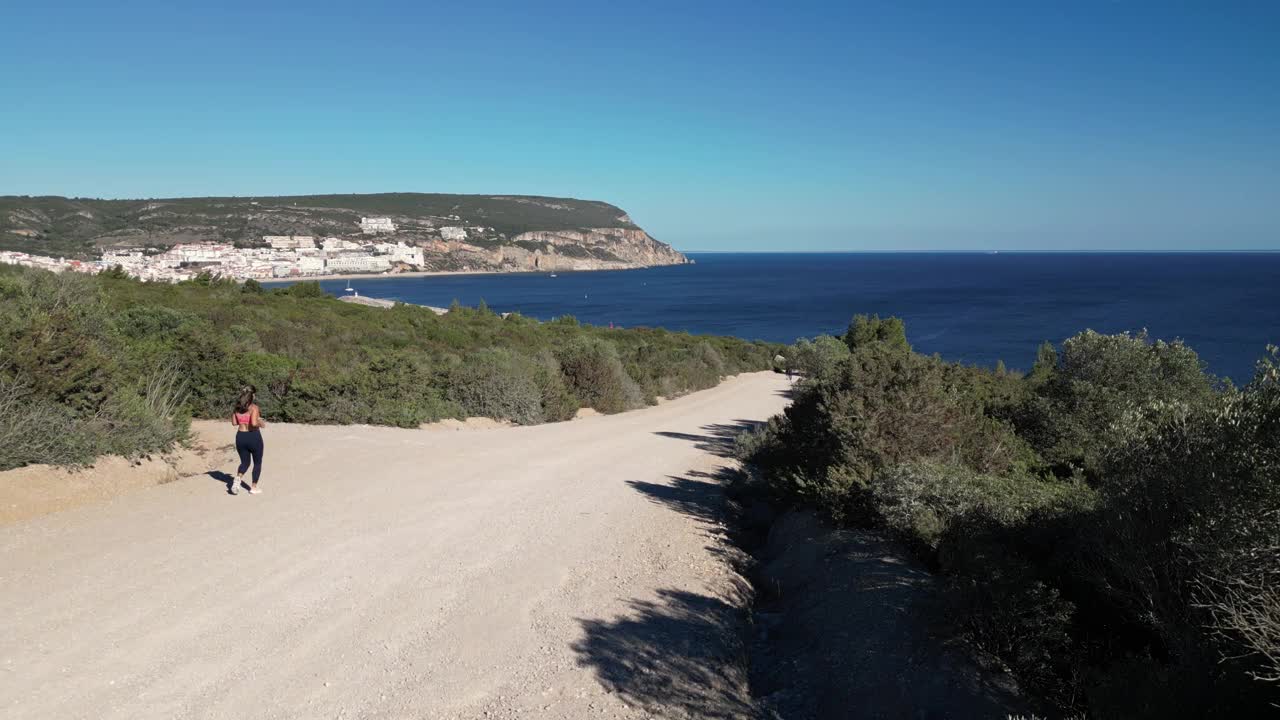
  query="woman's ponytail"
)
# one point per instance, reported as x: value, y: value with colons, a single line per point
x: 246, y: 399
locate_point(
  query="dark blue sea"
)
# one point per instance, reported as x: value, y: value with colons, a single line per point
x: 973, y: 308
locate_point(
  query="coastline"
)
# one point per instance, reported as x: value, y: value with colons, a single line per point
x: 407, y: 274
x: 441, y: 273
x: 386, y: 304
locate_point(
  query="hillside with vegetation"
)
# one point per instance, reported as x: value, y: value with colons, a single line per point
x: 1107, y: 526
x: 475, y: 231
x: 94, y: 365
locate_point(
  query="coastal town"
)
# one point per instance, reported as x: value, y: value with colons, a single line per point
x: 279, y: 257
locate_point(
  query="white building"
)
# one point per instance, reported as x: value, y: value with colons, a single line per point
x: 200, y: 252
x: 453, y: 233
x: 311, y: 265
x: 123, y: 257
x: 357, y: 263
x: 401, y: 253
x: 290, y: 242
x: 333, y: 244
x: 409, y: 256
x: 373, y: 225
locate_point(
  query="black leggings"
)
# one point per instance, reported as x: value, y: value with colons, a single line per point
x: 249, y: 444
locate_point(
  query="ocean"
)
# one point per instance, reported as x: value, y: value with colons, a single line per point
x: 972, y: 308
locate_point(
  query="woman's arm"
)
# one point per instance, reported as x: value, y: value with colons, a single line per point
x: 256, y: 420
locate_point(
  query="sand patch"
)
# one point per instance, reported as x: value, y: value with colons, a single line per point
x: 36, y: 490
x: 41, y: 489
x: 475, y: 423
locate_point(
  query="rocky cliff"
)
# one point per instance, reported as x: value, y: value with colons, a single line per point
x: 456, y: 232
x: 589, y: 249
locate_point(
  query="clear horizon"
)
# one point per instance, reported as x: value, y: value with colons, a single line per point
x: 961, y: 251
x: 815, y: 127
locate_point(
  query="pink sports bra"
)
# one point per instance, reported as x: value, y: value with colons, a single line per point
x: 243, y: 418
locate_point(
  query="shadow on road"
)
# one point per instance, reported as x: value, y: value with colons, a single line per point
x: 699, y: 495
x: 718, y: 439
x: 222, y: 477
x: 677, y: 657
x: 683, y: 654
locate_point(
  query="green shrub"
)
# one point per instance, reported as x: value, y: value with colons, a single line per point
x: 889, y: 333
x: 1237, y: 541
x: 306, y: 289
x: 1024, y: 622
x: 817, y: 358
x: 711, y: 359
x: 878, y: 408
x: 147, y: 420
x: 1108, y: 526
x: 152, y: 321
x: 1101, y: 388
x: 87, y: 349
x: 244, y: 339
x: 596, y: 377
x: 37, y: 431
x: 921, y: 501
x: 498, y: 384
x: 395, y: 389
x: 558, y: 402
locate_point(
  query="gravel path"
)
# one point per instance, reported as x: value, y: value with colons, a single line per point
x: 568, y: 570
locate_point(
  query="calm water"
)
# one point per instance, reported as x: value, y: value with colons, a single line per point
x: 973, y: 308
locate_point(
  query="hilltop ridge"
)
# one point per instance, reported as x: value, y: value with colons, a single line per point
x: 456, y: 232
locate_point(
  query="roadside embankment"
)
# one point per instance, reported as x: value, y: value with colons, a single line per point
x: 845, y: 627
x: 847, y: 623
x: 35, y: 490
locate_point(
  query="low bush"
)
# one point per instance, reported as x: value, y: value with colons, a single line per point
x: 36, y: 431
x: 868, y: 330
x: 1100, y: 388
x: 86, y: 352
x: 558, y: 403
x: 876, y: 408
x: 594, y: 373
x: 134, y: 423
x: 924, y: 501
x: 814, y: 359
x: 131, y: 422
x: 498, y: 384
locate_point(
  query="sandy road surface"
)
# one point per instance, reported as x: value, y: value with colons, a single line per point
x: 565, y: 571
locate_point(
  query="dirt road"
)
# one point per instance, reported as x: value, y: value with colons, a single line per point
x: 570, y: 570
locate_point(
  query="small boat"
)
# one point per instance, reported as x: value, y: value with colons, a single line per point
x: 553, y: 275
x: 349, y: 287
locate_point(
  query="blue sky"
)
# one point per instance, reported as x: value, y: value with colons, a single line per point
x: 717, y: 125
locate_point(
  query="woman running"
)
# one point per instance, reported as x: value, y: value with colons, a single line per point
x: 247, y: 420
